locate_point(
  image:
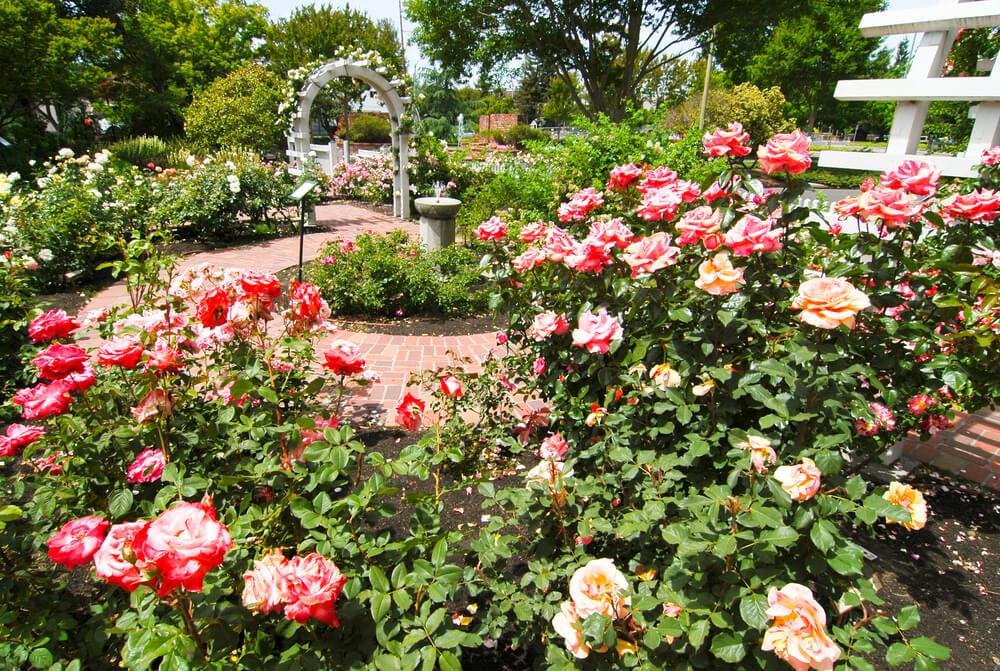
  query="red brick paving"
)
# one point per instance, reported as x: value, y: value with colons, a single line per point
x: 971, y: 449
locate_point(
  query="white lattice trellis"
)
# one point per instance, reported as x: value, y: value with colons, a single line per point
x: 923, y: 84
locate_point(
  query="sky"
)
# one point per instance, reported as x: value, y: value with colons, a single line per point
x: 390, y: 9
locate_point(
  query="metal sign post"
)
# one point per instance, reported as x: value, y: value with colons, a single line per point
x: 297, y: 196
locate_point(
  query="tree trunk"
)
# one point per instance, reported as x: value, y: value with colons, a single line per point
x: 811, y: 123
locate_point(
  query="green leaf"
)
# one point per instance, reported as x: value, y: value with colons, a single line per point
x: 697, y: 633
x: 855, y: 487
x: 909, y: 617
x: 930, y: 647
x: 381, y: 603
x: 10, y: 513
x: 449, y: 662
x: 380, y: 583
x: 823, y: 535
x: 450, y: 639
x: 41, y: 658
x: 781, y: 537
x: 120, y: 503
x: 898, y: 653
x: 728, y: 647
x: 440, y: 552
x: 753, y: 610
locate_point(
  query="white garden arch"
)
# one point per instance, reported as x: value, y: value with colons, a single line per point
x: 300, y: 137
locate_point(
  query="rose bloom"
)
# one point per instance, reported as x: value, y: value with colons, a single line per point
x: 307, y: 304
x: 623, y: 176
x: 718, y: 277
x: 894, y: 207
x: 57, y: 361
x: 883, y: 415
x: 977, y: 206
x: 155, y: 404
x: 612, y: 232
x: 726, y: 142
x: 665, y: 376
x: 548, y: 323
x: 595, y: 332
x: 344, y: 358
x: 785, y: 151
x: 213, y: 308
x: 534, y: 232
x: 124, y: 351
x: 265, y: 586
x: 801, y: 481
x: 147, y: 466
x: 548, y: 472
x: 911, y: 499
x: 451, y: 386
x: 657, y: 178
x: 751, y: 234
x: 17, y: 436
x: 715, y: 192
x: 596, y: 416
x: 44, y: 400
x: 263, y: 286
x: 558, y: 244
x: 77, y: 541
x: 538, y: 366
x: 649, y: 254
x: 700, y: 224
x: 798, y: 635
x: 52, y: 324
x: 491, y: 229
x: 589, y: 256
x: 409, y: 412
x: 83, y: 379
x: 660, y: 204
x: 761, y: 452
x: 580, y: 205
x: 598, y: 587
x: 530, y: 258
x: 116, y: 560
x: 313, y: 585
x: 567, y: 624
x: 920, y: 404
x: 553, y: 447
x: 828, y: 302
x: 184, y: 543
x: 164, y: 359
x: 916, y: 177
x: 990, y: 156
x: 309, y: 436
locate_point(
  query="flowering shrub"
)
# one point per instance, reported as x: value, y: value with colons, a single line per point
x: 182, y: 472
x: 718, y: 366
x: 367, y: 179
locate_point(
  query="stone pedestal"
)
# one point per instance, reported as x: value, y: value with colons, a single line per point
x: 437, y: 221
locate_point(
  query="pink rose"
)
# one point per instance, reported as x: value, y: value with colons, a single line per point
x: 580, y: 205
x: 980, y: 206
x: 567, y: 623
x: 17, y: 436
x: 313, y: 585
x: 589, y: 256
x: 77, y: 541
x: 409, y: 412
x: 52, y: 324
x: 492, y: 229
x: 801, y: 481
x: 598, y: 587
x: 595, y: 332
x: 657, y: 178
x: 916, y: 177
x: 700, y: 224
x: 751, y: 234
x: 558, y: 244
x: 715, y: 192
x: 726, y: 142
x: 649, y: 254
x: 798, y: 634
x: 990, y: 156
x: 828, y: 302
x: 894, y: 207
x: 623, y: 176
x: 451, y: 386
x: 156, y: 403
x: 44, y: 400
x: 310, y: 436
x: 147, y: 466
x: 548, y: 323
x: 57, y: 361
x: 538, y: 366
x: 718, y: 277
x: 785, y: 151
x: 660, y: 204
x: 612, y: 232
x: 530, y: 258
x: 124, y: 351
x: 554, y: 447
x: 534, y: 232
x: 184, y: 543
x: 116, y: 560
x: 265, y: 586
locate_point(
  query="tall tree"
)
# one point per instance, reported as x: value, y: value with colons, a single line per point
x: 613, y: 45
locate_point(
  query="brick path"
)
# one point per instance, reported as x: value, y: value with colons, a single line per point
x: 971, y: 449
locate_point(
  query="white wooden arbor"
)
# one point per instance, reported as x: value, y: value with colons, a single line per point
x: 300, y: 137
x: 923, y: 83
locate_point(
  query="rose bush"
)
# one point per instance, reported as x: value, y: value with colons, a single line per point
x: 735, y: 362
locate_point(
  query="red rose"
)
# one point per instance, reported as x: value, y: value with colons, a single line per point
x: 623, y: 176
x: 409, y: 412
x: 57, y: 361
x: 213, y: 308
x: 307, y: 304
x: 451, y: 386
x: 116, y: 562
x: 124, y: 351
x: 52, y: 324
x: 44, y: 400
x: 17, y: 436
x: 264, y: 286
x: 344, y: 358
x: 313, y: 584
x: 77, y: 541
x: 164, y: 359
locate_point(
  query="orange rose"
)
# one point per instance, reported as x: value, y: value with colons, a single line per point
x: 912, y: 500
x: 828, y: 302
x: 801, y: 481
x: 798, y: 634
x: 597, y: 587
x: 718, y: 277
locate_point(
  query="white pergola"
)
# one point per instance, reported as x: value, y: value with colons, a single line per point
x: 923, y: 84
x: 300, y: 137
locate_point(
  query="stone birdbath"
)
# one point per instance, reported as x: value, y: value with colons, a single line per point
x: 437, y: 221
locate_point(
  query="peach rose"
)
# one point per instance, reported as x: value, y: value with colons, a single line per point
x: 895, y: 207
x: 649, y: 254
x: 665, y: 376
x: 718, y: 277
x: 265, y: 586
x: 548, y: 323
x: 761, y: 452
x: 911, y: 499
x: 548, y: 472
x: 785, y: 151
x: 751, y: 234
x: 567, y: 624
x: 801, y: 481
x: 598, y: 587
x: 156, y: 403
x: 828, y: 302
x: 700, y: 224
x: 798, y: 635
x: 594, y: 332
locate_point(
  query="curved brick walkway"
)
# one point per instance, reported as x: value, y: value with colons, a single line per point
x: 971, y: 449
x: 393, y: 357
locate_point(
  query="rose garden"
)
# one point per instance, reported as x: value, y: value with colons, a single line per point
x: 646, y: 412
